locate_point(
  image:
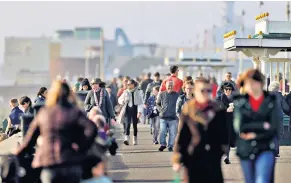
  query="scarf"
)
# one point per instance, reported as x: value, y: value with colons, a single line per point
x: 98, y: 102
x: 198, y: 113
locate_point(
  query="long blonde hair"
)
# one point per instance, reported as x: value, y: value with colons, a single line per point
x: 57, y: 91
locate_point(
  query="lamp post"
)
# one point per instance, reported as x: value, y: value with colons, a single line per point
x: 240, y: 53
x: 261, y: 4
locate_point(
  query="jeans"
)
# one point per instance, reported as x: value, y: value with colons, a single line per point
x: 259, y: 170
x: 155, y: 123
x: 64, y: 174
x: 171, y: 126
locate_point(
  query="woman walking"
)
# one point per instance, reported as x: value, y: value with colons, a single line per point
x: 132, y: 100
x: 41, y: 95
x: 203, y: 137
x: 227, y: 100
x: 256, y: 121
x: 26, y: 104
x: 63, y: 134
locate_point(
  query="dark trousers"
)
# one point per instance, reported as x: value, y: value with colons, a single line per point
x: 63, y: 174
x: 131, y: 117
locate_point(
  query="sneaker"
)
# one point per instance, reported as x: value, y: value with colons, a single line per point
x: 278, y: 156
x: 156, y: 142
x: 226, y: 161
x: 126, y: 139
x: 162, y: 148
x: 170, y: 149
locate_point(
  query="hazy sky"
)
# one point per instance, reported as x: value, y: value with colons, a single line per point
x: 160, y: 22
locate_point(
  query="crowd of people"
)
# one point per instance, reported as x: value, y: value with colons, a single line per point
x: 202, y: 120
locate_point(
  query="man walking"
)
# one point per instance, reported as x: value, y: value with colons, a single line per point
x: 166, y: 102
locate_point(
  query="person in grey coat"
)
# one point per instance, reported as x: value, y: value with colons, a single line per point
x: 99, y: 97
x: 274, y: 87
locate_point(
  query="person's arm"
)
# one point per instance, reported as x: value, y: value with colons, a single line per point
x: 31, y: 136
x: 147, y: 93
x: 163, y: 86
x: 237, y: 118
x: 140, y: 106
x: 87, y: 103
x: 159, y: 101
x: 285, y: 106
x: 9, y: 125
x: 183, y: 139
x: 109, y: 106
x: 274, y: 124
x: 179, y: 106
x: 122, y: 98
x: 119, y: 93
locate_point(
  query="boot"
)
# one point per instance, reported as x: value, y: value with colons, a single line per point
x: 126, y: 139
x: 134, y: 140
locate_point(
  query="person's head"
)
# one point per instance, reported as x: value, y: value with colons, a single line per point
x: 252, y: 81
x: 85, y: 85
x: 42, y: 92
x: 80, y: 79
x: 124, y: 82
x: 156, y: 90
x: 93, y: 112
x: 213, y: 80
x: 149, y: 75
x: 188, y: 87
x: 114, y: 80
x: 202, y: 90
x: 25, y: 102
x: 131, y: 84
x: 274, y: 86
x: 99, y: 121
x: 157, y: 76
x: 174, y: 70
x: 228, y: 88
x: 95, y: 83
x: 169, y: 86
x: 60, y: 92
x: 228, y: 76
x: 188, y: 78
x: 168, y: 75
x: 108, y: 89
x: 13, y: 103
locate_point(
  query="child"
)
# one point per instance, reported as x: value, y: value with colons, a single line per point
x: 105, y: 134
x: 100, y: 123
x: 153, y: 113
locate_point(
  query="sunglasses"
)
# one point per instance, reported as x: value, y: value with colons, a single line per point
x: 206, y: 91
x: 228, y: 89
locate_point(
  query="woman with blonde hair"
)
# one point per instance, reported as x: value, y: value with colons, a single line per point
x: 66, y: 134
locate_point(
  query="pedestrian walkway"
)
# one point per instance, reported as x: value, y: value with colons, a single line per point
x: 144, y: 164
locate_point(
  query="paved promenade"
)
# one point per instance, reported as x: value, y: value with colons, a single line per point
x: 144, y: 164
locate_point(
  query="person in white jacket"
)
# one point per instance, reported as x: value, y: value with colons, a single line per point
x: 132, y: 102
